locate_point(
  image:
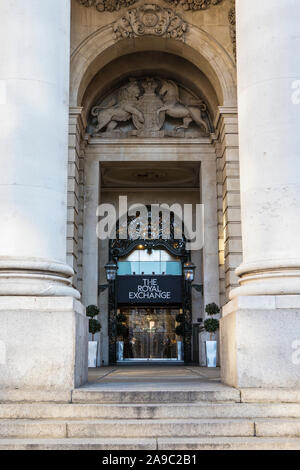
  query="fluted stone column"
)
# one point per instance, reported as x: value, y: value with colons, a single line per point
x: 261, y: 325
x: 34, y: 79
x: 39, y: 332
x: 268, y: 66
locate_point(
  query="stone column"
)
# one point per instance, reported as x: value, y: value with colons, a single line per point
x: 34, y: 74
x: 90, y: 259
x: 211, y: 291
x: 39, y: 335
x: 208, y: 185
x: 260, y: 328
x: 90, y: 262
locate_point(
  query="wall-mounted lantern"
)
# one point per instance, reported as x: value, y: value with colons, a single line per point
x: 189, y: 271
x: 111, y: 269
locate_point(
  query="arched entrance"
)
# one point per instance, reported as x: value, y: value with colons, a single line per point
x: 124, y: 156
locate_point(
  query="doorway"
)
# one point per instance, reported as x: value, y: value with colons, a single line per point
x: 150, y: 334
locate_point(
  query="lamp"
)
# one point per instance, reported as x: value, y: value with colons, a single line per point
x: 111, y: 269
x: 189, y: 271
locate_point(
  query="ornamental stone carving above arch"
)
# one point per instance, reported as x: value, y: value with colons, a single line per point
x: 151, y: 19
x: 115, y: 5
x: 150, y: 107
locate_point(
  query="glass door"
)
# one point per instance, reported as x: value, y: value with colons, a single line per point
x: 148, y: 334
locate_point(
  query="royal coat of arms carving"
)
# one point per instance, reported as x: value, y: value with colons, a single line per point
x: 148, y: 104
x: 150, y: 107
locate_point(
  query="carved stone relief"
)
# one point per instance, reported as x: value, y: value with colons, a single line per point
x: 150, y: 19
x: 107, y: 5
x: 232, y: 22
x: 195, y: 5
x: 150, y: 108
x: 115, y: 5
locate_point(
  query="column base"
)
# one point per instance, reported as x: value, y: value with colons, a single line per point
x: 43, y: 344
x: 260, y: 342
x: 268, y: 278
x: 34, y: 277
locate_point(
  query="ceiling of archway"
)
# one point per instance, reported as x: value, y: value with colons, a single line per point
x: 115, y: 5
x: 154, y: 64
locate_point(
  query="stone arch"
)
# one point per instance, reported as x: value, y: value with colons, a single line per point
x: 201, y: 49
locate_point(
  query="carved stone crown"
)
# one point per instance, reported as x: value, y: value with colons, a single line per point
x: 150, y: 19
x: 149, y: 85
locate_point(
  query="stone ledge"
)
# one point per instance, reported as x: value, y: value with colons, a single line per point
x: 226, y: 443
x: 34, y: 396
x: 78, y: 444
x: 262, y: 302
x: 47, y: 304
x: 270, y: 395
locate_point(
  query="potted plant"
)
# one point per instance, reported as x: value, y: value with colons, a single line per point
x: 211, y: 326
x: 94, y: 327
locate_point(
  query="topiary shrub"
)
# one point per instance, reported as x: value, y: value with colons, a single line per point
x: 179, y: 330
x: 211, y: 325
x: 212, y: 309
x: 94, y: 325
x: 92, y: 311
x: 180, y: 318
x: 122, y: 330
x: 121, y: 318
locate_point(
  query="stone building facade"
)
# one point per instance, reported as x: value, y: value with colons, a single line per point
x: 189, y: 102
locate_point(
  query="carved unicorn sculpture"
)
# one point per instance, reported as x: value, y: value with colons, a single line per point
x: 174, y: 107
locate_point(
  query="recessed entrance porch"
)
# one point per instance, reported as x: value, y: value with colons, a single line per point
x: 190, y: 181
x: 154, y: 377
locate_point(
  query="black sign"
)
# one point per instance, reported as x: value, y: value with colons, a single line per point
x: 149, y: 289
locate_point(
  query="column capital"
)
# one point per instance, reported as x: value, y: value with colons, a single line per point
x: 222, y: 113
x: 77, y: 113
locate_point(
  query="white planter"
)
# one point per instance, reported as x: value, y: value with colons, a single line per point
x: 179, y: 351
x: 120, y: 350
x: 211, y: 353
x: 93, y: 350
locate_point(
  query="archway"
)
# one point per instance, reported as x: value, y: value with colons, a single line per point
x: 101, y: 65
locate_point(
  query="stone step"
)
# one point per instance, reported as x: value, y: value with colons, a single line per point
x: 204, y: 443
x: 78, y: 444
x: 124, y: 428
x: 271, y: 395
x: 159, y: 428
x: 277, y: 427
x: 228, y: 443
x: 24, y: 428
x: 151, y: 411
x: 88, y: 395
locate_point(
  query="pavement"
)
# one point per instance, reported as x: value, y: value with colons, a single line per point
x: 154, y: 377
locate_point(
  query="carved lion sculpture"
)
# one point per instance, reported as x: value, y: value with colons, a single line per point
x: 120, y: 110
